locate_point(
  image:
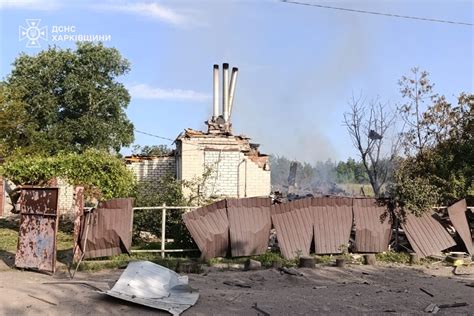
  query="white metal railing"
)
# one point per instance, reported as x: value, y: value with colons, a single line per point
x: 164, y: 208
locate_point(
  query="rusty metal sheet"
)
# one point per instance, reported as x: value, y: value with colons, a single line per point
x: 293, y: 222
x: 426, y: 235
x: 38, y: 229
x: 372, y: 226
x: 457, y: 215
x: 249, y: 225
x: 109, y: 229
x: 209, y: 228
x: 332, y: 219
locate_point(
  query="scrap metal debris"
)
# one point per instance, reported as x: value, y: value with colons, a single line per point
x: 434, y: 308
x: 152, y: 285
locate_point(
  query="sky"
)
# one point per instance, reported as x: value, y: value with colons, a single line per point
x: 298, y: 65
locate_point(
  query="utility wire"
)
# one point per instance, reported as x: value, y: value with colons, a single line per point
x: 162, y: 137
x: 376, y: 13
x: 153, y: 135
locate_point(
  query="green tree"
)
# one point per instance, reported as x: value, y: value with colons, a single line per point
x: 439, y: 147
x: 73, y: 100
x: 153, y: 150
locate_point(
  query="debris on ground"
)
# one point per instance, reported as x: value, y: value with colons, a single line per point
x: 152, y: 285
x: 290, y: 271
x: 251, y: 264
x: 43, y: 300
x: 238, y: 283
x: 426, y: 292
x: 434, y: 308
x: 259, y: 310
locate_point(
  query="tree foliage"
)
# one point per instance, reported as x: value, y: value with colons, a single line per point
x: 103, y: 176
x: 152, y: 150
x: 65, y: 100
x: 441, y: 171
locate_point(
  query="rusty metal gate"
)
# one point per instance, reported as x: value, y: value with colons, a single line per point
x: 38, y: 229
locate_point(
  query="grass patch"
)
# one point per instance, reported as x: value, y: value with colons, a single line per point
x: 324, y: 259
x: 393, y: 257
x: 121, y: 261
x: 8, y: 236
x: 267, y: 259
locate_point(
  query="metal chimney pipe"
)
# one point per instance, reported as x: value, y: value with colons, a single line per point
x: 215, y: 111
x: 225, y: 92
x: 233, y: 80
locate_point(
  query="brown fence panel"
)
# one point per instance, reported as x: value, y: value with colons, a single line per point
x: 293, y: 222
x: 332, y: 201
x: 332, y: 220
x: 107, y: 230
x: 38, y: 229
x: 372, y: 226
x: 249, y: 225
x: 426, y: 235
x: 457, y: 215
x: 209, y: 228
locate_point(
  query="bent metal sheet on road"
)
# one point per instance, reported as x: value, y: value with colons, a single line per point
x: 150, y: 284
x: 249, y: 225
x: 209, y: 228
x: 293, y: 222
x: 426, y: 235
x: 372, y: 226
x: 457, y: 215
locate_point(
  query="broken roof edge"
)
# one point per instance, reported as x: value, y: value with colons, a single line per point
x: 140, y: 158
x: 192, y: 133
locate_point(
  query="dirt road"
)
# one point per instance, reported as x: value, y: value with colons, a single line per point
x: 354, y: 290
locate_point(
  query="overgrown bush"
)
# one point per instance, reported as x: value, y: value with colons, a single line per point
x: 167, y: 191
x: 104, y: 176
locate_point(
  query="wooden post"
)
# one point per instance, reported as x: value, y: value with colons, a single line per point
x: 163, y: 230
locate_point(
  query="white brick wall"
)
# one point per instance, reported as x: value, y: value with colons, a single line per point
x: 236, y: 175
x: 224, y: 176
x: 151, y: 171
x: 65, y: 196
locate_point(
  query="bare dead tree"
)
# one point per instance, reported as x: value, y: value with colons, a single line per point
x: 369, y: 126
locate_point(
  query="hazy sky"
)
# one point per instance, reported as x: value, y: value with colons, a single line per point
x: 299, y: 65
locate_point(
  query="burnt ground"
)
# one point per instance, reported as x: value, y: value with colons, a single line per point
x: 354, y: 290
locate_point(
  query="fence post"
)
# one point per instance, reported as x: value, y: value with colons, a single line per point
x: 163, y: 230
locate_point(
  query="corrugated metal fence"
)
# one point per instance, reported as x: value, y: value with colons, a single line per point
x: 329, y: 220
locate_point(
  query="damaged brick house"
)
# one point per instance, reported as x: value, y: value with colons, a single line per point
x: 234, y: 166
